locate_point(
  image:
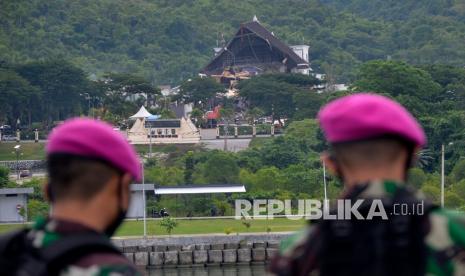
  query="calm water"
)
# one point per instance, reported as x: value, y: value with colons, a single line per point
x: 210, y: 271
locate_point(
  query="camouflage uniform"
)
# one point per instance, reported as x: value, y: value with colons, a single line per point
x: 45, y: 232
x: 444, y: 238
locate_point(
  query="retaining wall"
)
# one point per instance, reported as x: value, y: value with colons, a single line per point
x: 194, y: 251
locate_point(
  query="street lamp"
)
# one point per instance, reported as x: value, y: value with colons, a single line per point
x: 17, y: 149
x: 442, y: 173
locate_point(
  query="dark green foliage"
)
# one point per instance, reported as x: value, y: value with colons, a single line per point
x: 396, y: 78
x: 199, y: 91
x: 271, y: 95
x: 170, y: 41
x: 61, y: 85
x: 282, y: 152
x: 17, y: 94
x: 189, y: 167
x: 4, y: 176
x: 221, y: 168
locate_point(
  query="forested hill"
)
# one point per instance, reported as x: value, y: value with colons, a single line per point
x: 170, y: 40
x: 392, y: 10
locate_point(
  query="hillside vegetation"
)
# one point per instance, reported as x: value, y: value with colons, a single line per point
x: 167, y: 41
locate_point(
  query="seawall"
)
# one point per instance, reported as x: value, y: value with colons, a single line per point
x: 201, y: 250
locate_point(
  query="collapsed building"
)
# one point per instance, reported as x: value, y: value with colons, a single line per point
x: 255, y: 50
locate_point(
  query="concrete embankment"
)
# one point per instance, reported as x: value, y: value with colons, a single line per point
x: 194, y: 251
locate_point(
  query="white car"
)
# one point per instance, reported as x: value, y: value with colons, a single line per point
x: 8, y: 138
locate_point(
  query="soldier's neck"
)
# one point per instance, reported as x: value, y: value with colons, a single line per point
x: 79, y: 212
x: 359, y: 177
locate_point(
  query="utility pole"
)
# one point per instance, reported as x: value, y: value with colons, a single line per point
x: 325, y: 205
x: 17, y: 148
x: 150, y: 142
x: 226, y: 134
x: 442, y: 176
x: 143, y: 200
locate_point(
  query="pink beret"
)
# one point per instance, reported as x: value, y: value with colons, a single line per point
x: 362, y: 116
x: 96, y: 139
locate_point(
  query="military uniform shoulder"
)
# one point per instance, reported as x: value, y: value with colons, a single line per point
x: 101, y: 264
x: 101, y: 270
x: 446, y: 228
x: 446, y: 243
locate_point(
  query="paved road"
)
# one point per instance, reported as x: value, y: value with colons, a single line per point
x: 234, y: 145
x: 23, y: 141
x: 38, y: 174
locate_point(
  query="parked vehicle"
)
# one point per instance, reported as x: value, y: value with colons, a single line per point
x: 8, y: 138
x: 25, y: 173
x: 160, y: 214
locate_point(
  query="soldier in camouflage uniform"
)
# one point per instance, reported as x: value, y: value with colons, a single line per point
x: 372, y: 143
x: 90, y: 169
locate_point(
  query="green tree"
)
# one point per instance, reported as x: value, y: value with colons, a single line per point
x: 37, y: 209
x: 406, y: 83
x: 169, y: 224
x: 200, y: 91
x: 253, y: 114
x: 198, y: 117
x: 416, y: 177
x: 282, y: 152
x: 4, y: 176
x: 123, y: 93
x: 307, y: 131
x: 271, y: 95
x: 221, y: 168
x: 189, y: 167
x: 62, y: 85
x: 165, y: 176
x: 307, y: 104
x: 458, y: 172
x: 267, y: 179
x: 17, y: 94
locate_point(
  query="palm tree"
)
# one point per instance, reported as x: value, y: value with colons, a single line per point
x: 424, y: 158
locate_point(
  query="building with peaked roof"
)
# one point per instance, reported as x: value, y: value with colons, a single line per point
x: 254, y: 50
x: 149, y: 128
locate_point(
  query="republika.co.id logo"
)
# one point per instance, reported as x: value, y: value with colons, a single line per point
x: 313, y: 209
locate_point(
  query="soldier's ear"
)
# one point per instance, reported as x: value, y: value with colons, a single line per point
x: 47, y: 191
x: 126, y: 181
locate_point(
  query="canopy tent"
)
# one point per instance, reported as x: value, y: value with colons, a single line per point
x: 153, y: 117
x: 142, y: 113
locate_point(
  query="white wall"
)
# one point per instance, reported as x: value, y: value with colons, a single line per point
x: 136, y: 207
x: 8, y: 210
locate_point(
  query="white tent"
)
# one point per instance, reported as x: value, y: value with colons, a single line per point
x: 142, y: 113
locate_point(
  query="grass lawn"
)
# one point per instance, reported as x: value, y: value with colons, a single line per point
x: 29, y: 151
x: 258, y: 142
x: 36, y: 151
x: 135, y: 228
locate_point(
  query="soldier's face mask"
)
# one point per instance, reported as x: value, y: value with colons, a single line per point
x: 121, y: 214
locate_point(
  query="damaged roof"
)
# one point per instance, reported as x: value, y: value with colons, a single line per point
x: 257, y: 29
